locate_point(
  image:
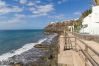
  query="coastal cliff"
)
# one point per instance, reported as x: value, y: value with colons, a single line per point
x: 59, y: 27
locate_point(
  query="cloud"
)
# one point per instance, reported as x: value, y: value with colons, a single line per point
x: 19, y: 21
x: 77, y: 13
x: 43, y: 9
x: 38, y: 15
x: 2, y: 3
x: 16, y: 9
x: 20, y: 16
x: 32, y: 9
x: 62, y: 1
x: 21, y: 13
x: 60, y: 16
x: 31, y: 4
x: 5, y: 10
x: 15, y: 22
x: 17, y: 18
x: 23, y: 1
x: 35, y: 8
x: 38, y: 1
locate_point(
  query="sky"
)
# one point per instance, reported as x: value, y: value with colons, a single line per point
x: 36, y: 14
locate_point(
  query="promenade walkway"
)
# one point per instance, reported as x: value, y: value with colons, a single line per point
x: 68, y: 57
x: 74, y: 56
x: 92, y: 44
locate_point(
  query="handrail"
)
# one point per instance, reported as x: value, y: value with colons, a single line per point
x: 92, y: 61
x: 89, y: 47
x: 89, y: 58
x: 84, y: 51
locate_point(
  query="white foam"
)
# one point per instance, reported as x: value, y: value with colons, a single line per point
x: 25, y: 48
x: 51, y: 37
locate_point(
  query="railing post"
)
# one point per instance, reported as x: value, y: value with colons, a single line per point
x: 75, y: 44
x: 86, y: 59
x: 65, y: 43
x: 71, y: 45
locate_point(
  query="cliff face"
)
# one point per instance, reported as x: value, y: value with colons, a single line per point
x: 91, y: 22
x: 54, y: 28
x: 59, y: 27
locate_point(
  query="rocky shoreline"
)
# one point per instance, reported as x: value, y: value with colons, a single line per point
x: 40, y: 55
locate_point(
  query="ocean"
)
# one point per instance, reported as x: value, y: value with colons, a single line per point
x: 14, y: 42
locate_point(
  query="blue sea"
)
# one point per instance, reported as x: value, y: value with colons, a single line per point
x: 11, y: 40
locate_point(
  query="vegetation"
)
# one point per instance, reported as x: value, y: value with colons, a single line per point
x: 58, y: 27
x: 86, y: 13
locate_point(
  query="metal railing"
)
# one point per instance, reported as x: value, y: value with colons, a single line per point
x: 87, y: 55
x: 68, y: 43
x: 84, y: 50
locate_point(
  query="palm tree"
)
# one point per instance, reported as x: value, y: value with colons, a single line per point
x: 85, y: 13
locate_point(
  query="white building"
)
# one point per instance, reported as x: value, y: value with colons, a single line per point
x: 91, y: 22
x: 71, y: 28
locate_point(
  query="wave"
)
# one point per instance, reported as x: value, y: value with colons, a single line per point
x: 24, y: 48
x: 50, y: 38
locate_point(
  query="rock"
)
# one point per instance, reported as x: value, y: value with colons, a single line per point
x: 41, y: 46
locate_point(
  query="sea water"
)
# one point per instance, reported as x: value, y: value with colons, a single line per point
x: 13, y: 42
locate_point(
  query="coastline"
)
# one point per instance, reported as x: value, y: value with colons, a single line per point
x: 30, y: 53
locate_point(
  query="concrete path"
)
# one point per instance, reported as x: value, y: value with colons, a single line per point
x: 94, y: 45
x: 68, y: 57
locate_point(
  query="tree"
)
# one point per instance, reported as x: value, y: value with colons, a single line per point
x: 86, y: 13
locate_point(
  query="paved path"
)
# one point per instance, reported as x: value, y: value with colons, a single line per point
x: 94, y: 45
x: 68, y: 57
x: 73, y: 58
